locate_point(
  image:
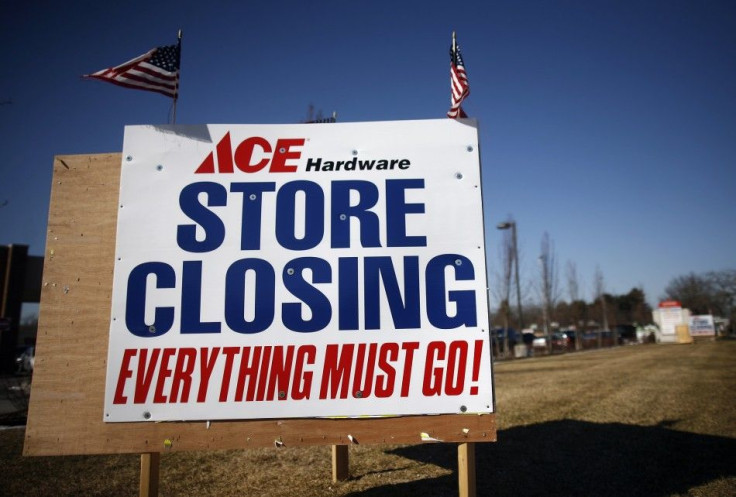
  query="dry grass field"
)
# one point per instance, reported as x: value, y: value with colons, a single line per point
x: 648, y: 420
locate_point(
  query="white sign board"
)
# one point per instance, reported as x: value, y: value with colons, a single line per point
x: 670, y: 317
x: 312, y: 270
x: 702, y: 326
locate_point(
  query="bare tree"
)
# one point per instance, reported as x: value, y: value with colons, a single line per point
x: 548, y: 285
x: 573, y: 286
x: 713, y: 292
x: 599, y: 287
x: 507, y: 264
x: 573, y: 291
x: 507, y: 257
x: 723, y: 284
x: 694, y: 291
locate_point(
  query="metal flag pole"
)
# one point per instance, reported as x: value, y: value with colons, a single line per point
x: 176, y: 97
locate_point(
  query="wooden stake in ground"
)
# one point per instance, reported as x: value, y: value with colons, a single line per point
x: 466, y: 469
x: 340, y: 463
x: 150, y: 463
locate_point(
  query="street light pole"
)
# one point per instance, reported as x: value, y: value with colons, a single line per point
x: 512, y: 225
x: 545, y: 300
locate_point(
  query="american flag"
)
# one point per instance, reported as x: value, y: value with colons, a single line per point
x: 156, y: 70
x: 459, y: 87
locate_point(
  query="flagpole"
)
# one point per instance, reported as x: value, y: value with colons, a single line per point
x: 177, y: 88
x: 454, y: 49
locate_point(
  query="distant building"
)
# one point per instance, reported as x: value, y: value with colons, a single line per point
x: 672, y: 319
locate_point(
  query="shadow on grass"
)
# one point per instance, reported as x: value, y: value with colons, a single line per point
x: 575, y: 458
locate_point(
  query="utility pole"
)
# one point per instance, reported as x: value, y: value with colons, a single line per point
x: 545, y: 301
x: 512, y: 225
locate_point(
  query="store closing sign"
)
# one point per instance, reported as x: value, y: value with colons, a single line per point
x: 313, y: 270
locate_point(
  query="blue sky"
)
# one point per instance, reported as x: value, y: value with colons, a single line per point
x: 611, y: 125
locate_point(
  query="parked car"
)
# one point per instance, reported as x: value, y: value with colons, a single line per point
x: 626, y: 333
x: 590, y: 339
x: 570, y: 336
x: 560, y: 341
x: 499, y: 334
x: 25, y: 358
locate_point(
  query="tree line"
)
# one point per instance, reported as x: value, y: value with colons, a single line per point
x: 603, y: 313
x: 713, y: 293
x: 550, y: 311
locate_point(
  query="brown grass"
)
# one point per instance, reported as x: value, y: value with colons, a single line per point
x: 631, y: 421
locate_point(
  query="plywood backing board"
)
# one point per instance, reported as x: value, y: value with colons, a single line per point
x: 67, y: 395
